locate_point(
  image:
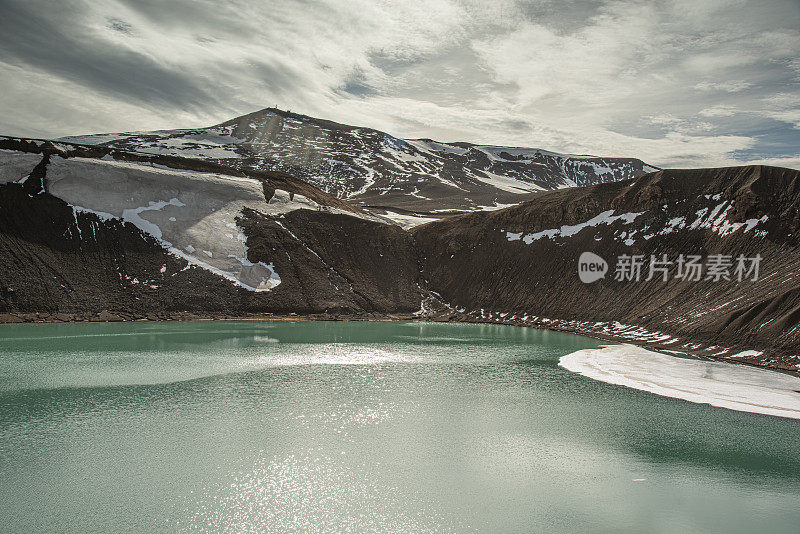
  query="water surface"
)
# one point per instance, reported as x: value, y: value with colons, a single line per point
x: 394, y: 427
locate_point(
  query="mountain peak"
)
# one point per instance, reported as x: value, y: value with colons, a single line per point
x: 377, y: 170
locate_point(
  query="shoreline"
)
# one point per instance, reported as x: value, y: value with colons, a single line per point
x: 554, y: 325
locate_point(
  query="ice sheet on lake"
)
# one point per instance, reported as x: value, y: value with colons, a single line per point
x: 721, y: 384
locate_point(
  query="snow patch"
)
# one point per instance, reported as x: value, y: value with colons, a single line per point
x: 15, y: 166
x: 717, y: 221
x: 199, y: 208
x: 407, y: 220
x: 720, y: 384
x: 504, y: 183
x: 607, y: 217
x: 746, y: 354
x: 428, y: 146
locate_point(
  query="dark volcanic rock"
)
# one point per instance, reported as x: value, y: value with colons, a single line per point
x: 50, y: 265
x: 484, y: 261
x: 60, y: 260
x: 335, y: 263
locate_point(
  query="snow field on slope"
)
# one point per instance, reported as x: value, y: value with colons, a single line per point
x: 186, y: 212
x: 16, y: 165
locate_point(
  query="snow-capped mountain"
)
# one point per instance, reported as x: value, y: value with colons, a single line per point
x: 372, y: 168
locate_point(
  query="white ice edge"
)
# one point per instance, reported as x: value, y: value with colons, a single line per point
x: 720, y: 384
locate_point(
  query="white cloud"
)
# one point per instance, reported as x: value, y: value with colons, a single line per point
x: 656, y: 80
x: 718, y: 111
x: 71, y: 107
x: 678, y: 124
x: 783, y: 107
x: 728, y: 87
x: 791, y: 162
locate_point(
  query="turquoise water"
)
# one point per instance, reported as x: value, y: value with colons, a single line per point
x: 363, y: 427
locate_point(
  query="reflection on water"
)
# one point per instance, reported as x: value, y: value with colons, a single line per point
x: 328, y: 493
x: 357, y: 427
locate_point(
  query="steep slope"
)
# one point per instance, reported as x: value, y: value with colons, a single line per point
x: 86, y: 233
x: 373, y: 168
x: 521, y: 264
x: 92, y: 232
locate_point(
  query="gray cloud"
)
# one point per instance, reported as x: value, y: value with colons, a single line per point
x: 356, y: 84
x: 58, y: 43
x: 675, y: 82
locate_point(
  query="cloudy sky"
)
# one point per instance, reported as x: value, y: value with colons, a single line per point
x: 679, y: 83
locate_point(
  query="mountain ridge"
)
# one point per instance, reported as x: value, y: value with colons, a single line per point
x: 372, y: 168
